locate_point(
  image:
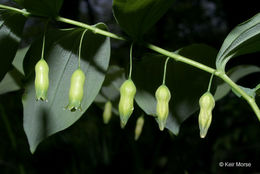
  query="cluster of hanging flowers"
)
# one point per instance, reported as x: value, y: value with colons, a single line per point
x: 127, y: 95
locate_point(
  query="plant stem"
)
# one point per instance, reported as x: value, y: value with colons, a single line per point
x: 210, y: 82
x: 131, y: 61
x: 250, y: 100
x: 92, y: 28
x: 180, y: 58
x: 165, y: 70
x: 80, y: 45
x: 43, y: 46
x: 43, y: 39
x: 23, y: 12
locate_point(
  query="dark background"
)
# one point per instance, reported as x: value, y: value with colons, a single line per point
x: 89, y: 146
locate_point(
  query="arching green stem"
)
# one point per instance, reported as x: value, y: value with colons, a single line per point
x: 23, y: 11
x: 43, y: 46
x: 210, y: 82
x: 131, y: 61
x: 165, y: 70
x: 80, y: 45
x: 43, y: 39
x: 250, y: 100
x: 92, y: 28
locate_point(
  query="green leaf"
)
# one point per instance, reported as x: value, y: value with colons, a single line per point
x: 44, y: 119
x: 243, y: 39
x: 110, y: 89
x: 49, y: 8
x: 18, y: 59
x: 11, y: 28
x: 11, y: 82
x: 186, y: 83
x: 235, y: 74
x: 136, y: 17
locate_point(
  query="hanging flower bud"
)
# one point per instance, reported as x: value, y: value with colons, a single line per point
x: 163, y: 96
x: 207, y: 104
x: 139, y: 127
x: 107, y: 112
x: 41, y: 80
x: 76, y: 90
x: 126, y: 103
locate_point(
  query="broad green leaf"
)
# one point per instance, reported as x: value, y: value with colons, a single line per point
x: 136, y: 17
x: 110, y: 89
x: 11, y: 82
x: 18, y: 59
x: 186, y: 83
x: 243, y: 39
x: 43, y: 119
x: 42, y: 7
x: 235, y: 74
x: 11, y: 28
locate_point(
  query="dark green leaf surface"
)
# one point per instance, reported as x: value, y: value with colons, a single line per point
x: 11, y: 82
x: 136, y: 17
x: 243, y: 39
x: 11, y: 28
x: 44, y: 119
x: 18, y: 59
x: 186, y: 83
x: 110, y: 90
x: 49, y: 8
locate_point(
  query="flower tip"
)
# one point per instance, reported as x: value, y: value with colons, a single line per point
x: 203, y: 133
x: 136, y: 137
x: 161, y: 127
x: 44, y: 99
x: 161, y: 124
x: 73, y: 108
x: 122, y: 125
x: 202, y: 136
x: 124, y: 119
